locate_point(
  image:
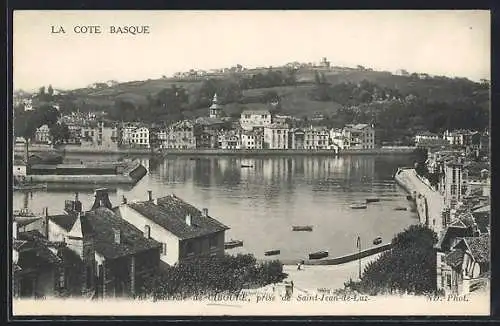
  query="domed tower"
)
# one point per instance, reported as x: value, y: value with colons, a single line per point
x: 215, y: 109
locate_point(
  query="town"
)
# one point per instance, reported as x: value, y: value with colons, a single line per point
x: 125, y: 249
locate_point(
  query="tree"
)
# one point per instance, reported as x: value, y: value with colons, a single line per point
x: 409, y: 267
x: 59, y: 133
x: 41, y: 91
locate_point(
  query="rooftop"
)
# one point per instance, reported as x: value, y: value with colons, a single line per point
x: 170, y: 213
x: 455, y: 257
x: 479, y: 248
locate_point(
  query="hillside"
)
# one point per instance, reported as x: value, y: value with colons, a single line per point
x: 400, y: 105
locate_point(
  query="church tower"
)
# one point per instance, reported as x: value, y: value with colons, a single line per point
x: 215, y: 109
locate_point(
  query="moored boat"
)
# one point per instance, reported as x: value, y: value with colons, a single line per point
x: 246, y: 166
x: 318, y: 254
x: 233, y: 244
x: 358, y: 206
x: 372, y: 200
x: 302, y: 228
x: 400, y: 208
x: 272, y: 252
x: 409, y: 197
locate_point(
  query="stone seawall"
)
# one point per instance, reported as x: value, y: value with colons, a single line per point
x: 342, y: 259
x: 429, y: 202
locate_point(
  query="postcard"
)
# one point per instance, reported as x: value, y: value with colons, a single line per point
x: 251, y: 163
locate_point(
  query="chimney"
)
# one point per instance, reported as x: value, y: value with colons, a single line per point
x: 204, y: 212
x: 14, y: 230
x: 188, y: 219
x: 150, y: 195
x: 117, y: 235
x: 101, y: 199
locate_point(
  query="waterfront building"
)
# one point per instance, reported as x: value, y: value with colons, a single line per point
x: 140, y: 137
x: 162, y: 138
x: 42, y: 135
x: 181, y: 135
x: 251, y: 139
x: 297, y: 138
x: 229, y: 139
x: 458, y: 137
x: 99, y: 134
x: 207, y: 130
x: 359, y: 136
x: 316, y: 138
x: 276, y: 136
x: 125, y: 132
x: 215, y: 109
x: 250, y: 119
x: 450, y: 184
x: 184, y: 231
x: 425, y: 136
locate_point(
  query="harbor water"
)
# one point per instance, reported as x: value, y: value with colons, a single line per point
x: 261, y: 201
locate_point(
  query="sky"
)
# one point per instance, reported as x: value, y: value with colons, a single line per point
x: 446, y: 42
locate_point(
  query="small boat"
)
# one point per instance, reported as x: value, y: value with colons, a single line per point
x: 23, y: 212
x: 32, y: 186
x: 246, y: 166
x: 377, y: 240
x: 318, y: 254
x: 302, y: 228
x: 400, y: 208
x: 358, y: 206
x: 409, y: 197
x: 272, y: 252
x: 233, y: 244
x: 372, y: 200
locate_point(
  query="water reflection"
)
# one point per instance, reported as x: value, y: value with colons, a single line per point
x: 262, y: 200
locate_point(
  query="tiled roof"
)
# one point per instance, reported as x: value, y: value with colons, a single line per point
x: 170, y: 213
x: 452, y: 232
x: 455, y: 257
x: 65, y: 221
x: 26, y: 221
x: 35, y: 254
x: 208, y: 121
x: 132, y: 240
x: 479, y: 247
x: 256, y: 112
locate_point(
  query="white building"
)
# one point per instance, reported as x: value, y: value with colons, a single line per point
x: 140, y: 137
x: 354, y: 136
x: 250, y: 119
x: 42, y: 135
x: 276, y: 137
x: 229, y: 140
x: 184, y: 231
x: 426, y: 135
x: 316, y: 138
x: 251, y: 140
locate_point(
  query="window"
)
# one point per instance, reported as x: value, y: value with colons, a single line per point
x: 164, y: 248
x: 147, y: 231
x: 448, y: 280
x: 62, y: 279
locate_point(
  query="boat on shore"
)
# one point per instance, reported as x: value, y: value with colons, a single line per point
x: 358, y: 206
x: 377, y: 240
x: 409, y: 197
x: 318, y: 254
x: 372, y: 200
x: 233, y: 244
x: 302, y: 228
x: 272, y: 252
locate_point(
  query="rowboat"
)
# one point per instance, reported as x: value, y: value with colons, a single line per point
x: 377, y: 240
x: 233, y: 244
x: 272, y: 252
x: 409, y: 197
x: 318, y: 254
x: 246, y: 166
x: 358, y: 206
x: 400, y: 208
x: 372, y: 200
x: 302, y: 228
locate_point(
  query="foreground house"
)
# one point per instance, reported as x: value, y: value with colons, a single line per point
x: 184, y: 231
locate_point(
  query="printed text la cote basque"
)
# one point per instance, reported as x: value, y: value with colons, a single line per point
x: 98, y: 29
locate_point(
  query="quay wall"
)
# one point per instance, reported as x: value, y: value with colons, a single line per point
x: 342, y: 259
x: 222, y: 152
x: 429, y: 202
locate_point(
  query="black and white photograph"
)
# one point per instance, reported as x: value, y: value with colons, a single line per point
x: 250, y: 163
